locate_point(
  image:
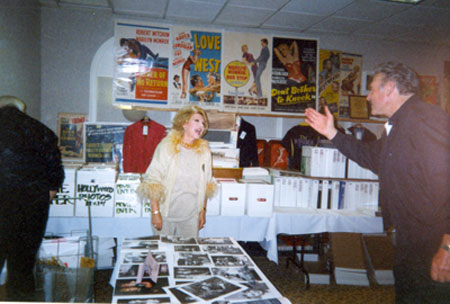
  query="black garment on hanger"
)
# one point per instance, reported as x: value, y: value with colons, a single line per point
x: 295, y: 139
x: 248, y: 153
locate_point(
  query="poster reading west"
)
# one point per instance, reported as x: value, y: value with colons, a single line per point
x: 246, y: 76
x: 294, y: 63
x: 141, y: 68
x: 195, y: 68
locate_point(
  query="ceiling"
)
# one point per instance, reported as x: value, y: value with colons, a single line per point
x: 427, y: 22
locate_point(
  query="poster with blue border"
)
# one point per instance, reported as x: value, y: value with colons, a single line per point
x: 141, y: 67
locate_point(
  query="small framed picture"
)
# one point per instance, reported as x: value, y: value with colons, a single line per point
x: 359, y: 107
x: 366, y: 79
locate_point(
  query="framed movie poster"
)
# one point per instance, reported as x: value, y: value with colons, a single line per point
x: 71, y: 135
x: 359, y: 107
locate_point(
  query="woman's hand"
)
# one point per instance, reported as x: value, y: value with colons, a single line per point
x: 157, y: 221
x: 201, y: 219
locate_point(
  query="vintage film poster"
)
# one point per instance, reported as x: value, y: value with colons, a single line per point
x: 446, y: 87
x: 329, y: 81
x: 294, y: 81
x: 350, y: 80
x: 429, y: 88
x: 141, y: 68
x: 247, y: 70
x: 104, y: 143
x: 71, y: 136
x: 195, y: 70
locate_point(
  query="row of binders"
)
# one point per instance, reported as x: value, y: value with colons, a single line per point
x: 302, y: 192
x: 330, y: 163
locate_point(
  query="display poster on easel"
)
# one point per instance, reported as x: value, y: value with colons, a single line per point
x: 247, y: 70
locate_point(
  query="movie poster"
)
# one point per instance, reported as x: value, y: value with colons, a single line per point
x: 294, y: 65
x: 104, y: 143
x: 428, y: 89
x: 141, y: 69
x: 195, y: 72
x: 246, y: 76
x: 329, y: 81
x: 70, y: 135
x: 350, y: 81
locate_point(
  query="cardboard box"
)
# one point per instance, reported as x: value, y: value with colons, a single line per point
x: 127, y: 203
x: 260, y: 199
x: 232, y: 198
x: 97, y: 188
x: 64, y: 202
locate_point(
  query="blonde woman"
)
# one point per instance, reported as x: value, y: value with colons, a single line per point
x: 179, y: 181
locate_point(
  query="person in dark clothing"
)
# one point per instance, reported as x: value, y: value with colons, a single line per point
x: 31, y: 172
x: 412, y: 160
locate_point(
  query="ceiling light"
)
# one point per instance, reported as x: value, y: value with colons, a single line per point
x: 405, y: 1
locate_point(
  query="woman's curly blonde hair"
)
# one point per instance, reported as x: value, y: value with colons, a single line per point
x: 184, y: 114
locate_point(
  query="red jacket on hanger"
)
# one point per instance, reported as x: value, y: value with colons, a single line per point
x: 139, y: 143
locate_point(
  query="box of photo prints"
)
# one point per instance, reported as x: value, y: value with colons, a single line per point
x: 205, y: 270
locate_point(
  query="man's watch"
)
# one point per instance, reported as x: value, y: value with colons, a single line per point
x: 446, y: 247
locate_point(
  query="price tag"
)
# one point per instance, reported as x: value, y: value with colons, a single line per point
x: 145, y: 130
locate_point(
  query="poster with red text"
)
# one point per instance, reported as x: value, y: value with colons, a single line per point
x: 294, y: 81
x: 195, y: 71
x: 246, y: 76
x: 350, y: 80
x: 141, y: 69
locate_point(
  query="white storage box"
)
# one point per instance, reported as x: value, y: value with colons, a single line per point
x: 97, y: 188
x: 232, y: 198
x: 213, y: 205
x: 127, y: 203
x: 260, y: 200
x: 64, y: 203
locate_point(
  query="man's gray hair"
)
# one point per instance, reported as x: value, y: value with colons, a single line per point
x: 405, y: 78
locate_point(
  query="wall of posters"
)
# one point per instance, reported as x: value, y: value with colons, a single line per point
x: 294, y: 64
x: 350, y: 80
x: 246, y: 69
x: 329, y: 80
x: 70, y: 135
x: 104, y: 143
x: 195, y: 68
x: 141, y: 69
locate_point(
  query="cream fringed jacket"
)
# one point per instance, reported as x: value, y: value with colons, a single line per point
x: 159, y: 179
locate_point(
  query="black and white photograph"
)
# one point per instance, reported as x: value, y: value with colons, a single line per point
x: 155, y: 300
x: 222, y: 249
x: 134, y: 256
x: 178, y: 240
x: 164, y: 270
x: 140, y: 244
x: 160, y: 256
x: 129, y: 270
x: 191, y: 272
x: 214, y: 241
x: 186, y: 248
x: 231, y: 260
x: 192, y: 259
x: 255, y: 291
x: 211, y: 288
x: 182, y: 296
x: 237, y: 274
x: 146, y: 286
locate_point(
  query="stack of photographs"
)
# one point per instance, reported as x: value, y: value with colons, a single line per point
x: 203, y: 270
